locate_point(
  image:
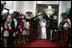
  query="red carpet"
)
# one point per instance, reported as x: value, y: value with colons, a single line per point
x: 42, y: 43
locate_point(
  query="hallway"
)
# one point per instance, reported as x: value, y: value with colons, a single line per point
x: 35, y: 24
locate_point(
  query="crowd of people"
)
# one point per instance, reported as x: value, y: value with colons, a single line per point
x: 17, y: 27
x: 15, y: 24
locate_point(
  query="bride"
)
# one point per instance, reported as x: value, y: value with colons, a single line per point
x: 43, y: 28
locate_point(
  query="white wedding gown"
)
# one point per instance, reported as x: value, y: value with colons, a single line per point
x: 43, y: 29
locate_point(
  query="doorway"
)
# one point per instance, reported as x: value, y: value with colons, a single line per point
x: 40, y: 7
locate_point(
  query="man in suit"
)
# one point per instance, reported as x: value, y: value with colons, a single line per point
x: 11, y: 32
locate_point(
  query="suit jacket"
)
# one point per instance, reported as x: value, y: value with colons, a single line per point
x: 13, y: 25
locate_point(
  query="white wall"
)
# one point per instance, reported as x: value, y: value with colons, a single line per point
x: 12, y: 5
x: 9, y: 4
x: 21, y: 6
x: 28, y: 6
